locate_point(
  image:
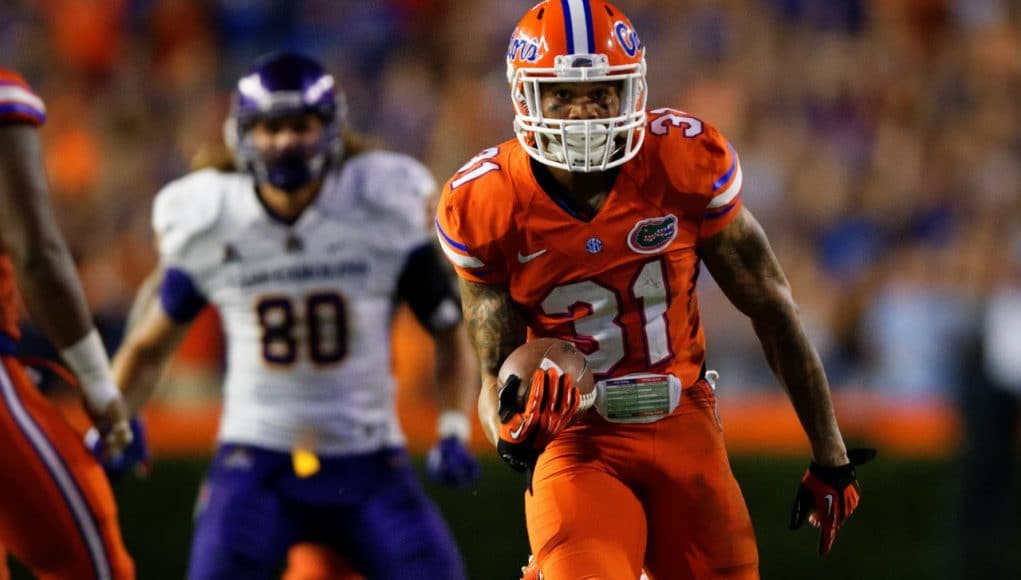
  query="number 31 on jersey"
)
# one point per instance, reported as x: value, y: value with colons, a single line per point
x: 602, y: 329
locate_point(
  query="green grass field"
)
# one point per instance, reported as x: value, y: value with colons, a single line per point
x: 904, y: 530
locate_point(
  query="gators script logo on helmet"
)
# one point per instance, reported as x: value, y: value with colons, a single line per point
x: 577, y: 41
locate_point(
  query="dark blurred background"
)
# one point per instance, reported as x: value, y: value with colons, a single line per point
x: 881, y: 151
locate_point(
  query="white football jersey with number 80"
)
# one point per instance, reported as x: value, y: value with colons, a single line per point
x: 306, y: 307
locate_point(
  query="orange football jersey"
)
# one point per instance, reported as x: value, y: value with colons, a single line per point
x: 621, y: 285
x: 18, y: 104
x: 8, y: 299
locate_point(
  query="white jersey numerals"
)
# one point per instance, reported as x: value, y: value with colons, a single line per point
x: 650, y: 287
x: 325, y: 332
x: 691, y: 126
x: 601, y: 329
x: 464, y: 175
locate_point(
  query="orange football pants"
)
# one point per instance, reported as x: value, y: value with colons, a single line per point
x: 57, y: 512
x: 610, y: 498
x: 5, y: 571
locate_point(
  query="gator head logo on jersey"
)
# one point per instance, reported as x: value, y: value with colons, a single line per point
x: 652, y: 235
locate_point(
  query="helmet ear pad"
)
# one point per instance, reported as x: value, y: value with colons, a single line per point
x: 286, y: 84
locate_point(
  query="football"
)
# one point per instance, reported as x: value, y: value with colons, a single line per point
x: 528, y: 357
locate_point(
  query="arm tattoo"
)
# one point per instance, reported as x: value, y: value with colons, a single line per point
x: 494, y: 322
x: 743, y: 265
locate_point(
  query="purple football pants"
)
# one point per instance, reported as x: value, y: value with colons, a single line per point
x: 369, y: 508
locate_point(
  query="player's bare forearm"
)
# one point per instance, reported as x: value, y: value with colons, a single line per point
x: 495, y: 328
x: 147, y: 350
x: 29, y: 234
x: 52, y: 294
x: 744, y: 266
x: 456, y: 375
x: 144, y: 297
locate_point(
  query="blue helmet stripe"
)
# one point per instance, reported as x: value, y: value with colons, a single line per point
x: 578, y: 18
x: 588, y: 28
x: 570, y: 25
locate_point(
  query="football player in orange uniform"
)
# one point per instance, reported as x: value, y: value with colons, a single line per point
x: 57, y: 513
x: 591, y: 227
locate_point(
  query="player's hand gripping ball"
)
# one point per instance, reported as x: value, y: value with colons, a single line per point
x: 543, y: 385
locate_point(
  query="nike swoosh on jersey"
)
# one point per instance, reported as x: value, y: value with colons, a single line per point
x: 829, y: 505
x: 524, y: 259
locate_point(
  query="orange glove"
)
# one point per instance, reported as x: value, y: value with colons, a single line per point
x: 531, y: 570
x: 526, y: 429
x: 828, y: 496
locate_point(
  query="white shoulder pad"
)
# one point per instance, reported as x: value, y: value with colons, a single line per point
x: 392, y: 186
x: 185, y: 208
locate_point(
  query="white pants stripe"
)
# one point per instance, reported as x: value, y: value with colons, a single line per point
x: 61, y: 476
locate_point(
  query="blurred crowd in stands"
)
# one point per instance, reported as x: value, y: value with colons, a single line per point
x: 879, y: 140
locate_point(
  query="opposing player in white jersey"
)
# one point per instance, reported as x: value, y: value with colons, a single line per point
x: 305, y: 255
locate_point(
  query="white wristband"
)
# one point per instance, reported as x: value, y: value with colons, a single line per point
x: 88, y: 361
x: 454, y: 423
